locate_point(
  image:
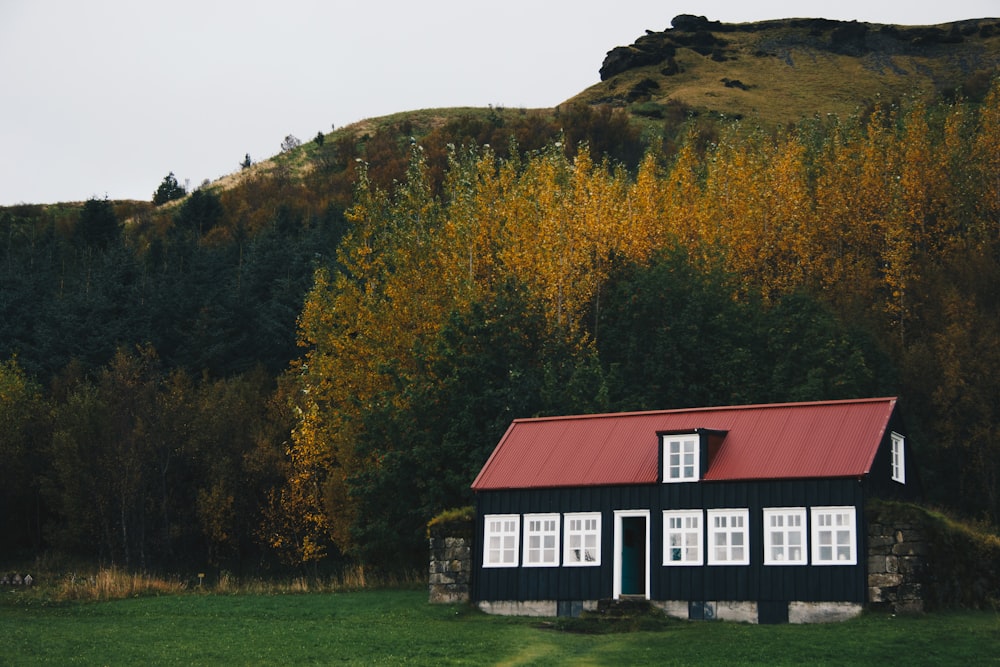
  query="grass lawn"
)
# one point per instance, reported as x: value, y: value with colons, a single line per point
x: 399, y: 626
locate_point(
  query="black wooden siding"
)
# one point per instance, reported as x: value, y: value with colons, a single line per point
x: 703, y: 583
x: 879, y: 480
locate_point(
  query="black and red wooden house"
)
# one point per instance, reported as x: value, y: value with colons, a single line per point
x: 750, y: 512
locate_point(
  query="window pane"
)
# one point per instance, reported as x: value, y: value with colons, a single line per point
x: 784, y: 540
x: 682, y: 537
x: 581, y: 544
x: 541, y: 540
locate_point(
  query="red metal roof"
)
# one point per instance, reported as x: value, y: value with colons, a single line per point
x: 774, y: 441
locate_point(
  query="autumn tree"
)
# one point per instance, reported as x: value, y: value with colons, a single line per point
x: 986, y: 157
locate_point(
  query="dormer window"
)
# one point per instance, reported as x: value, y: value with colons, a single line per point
x: 681, y: 457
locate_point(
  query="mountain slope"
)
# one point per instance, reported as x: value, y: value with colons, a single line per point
x: 770, y: 73
x: 782, y: 71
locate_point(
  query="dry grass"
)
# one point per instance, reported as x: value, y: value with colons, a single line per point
x: 115, y: 584
x: 351, y: 579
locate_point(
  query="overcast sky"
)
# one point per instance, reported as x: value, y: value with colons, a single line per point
x: 105, y: 97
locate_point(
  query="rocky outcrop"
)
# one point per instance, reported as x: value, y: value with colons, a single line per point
x: 851, y: 38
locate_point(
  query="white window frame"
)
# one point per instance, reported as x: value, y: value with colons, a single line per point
x: 681, y: 454
x: 898, y: 458
x: 724, y: 527
x: 582, y: 542
x: 541, y: 540
x: 683, y: 541
x: 784, y: 532
x: 834, y: 533
x: 501, y: 533
x: 619, y: 534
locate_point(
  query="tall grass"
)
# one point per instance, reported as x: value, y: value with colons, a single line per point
x: 115, y: 584
x: 350, y: 579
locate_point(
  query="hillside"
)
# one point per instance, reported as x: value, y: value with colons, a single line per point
x: 782, y: 71
x: 769, y: 73
x: 250, y: 376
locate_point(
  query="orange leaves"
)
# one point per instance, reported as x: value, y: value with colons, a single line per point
x: 561, y: 225
x: 759, y: 206
x: 986, y: 157
x: 852, y: 209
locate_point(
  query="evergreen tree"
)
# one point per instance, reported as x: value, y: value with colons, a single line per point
x: 169, y: 190
x: 200, y: 213
x: 98, y: 225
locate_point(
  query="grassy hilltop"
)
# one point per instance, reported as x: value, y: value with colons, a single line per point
x: 785, y: 70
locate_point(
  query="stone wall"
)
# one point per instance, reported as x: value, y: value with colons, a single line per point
x: 898, y: 551
x: 450, y: 569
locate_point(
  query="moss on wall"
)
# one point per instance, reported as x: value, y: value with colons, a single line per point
x: 963, y: 560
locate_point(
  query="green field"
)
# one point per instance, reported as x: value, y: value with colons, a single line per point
x: 399, y: 626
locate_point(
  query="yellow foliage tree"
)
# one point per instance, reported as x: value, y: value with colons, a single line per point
x: 986, y: 158
x: 848, y: 209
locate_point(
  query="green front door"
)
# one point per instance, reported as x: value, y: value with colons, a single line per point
x: 633, y: 556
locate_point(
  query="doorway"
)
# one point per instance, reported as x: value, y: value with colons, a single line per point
x: 631, y: 574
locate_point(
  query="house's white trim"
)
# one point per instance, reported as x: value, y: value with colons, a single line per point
x: 785, y: 542
x: 898, y: 457
x: 734, y: 527
x: 681, y: 457
x: 834, y: 533
x: 502, y: 552
x: 541, y: 540
x: 617, y: 559
x: 693, y: 528
x: 582, y: 555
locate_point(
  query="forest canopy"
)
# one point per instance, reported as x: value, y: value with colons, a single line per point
x: 842, y: 257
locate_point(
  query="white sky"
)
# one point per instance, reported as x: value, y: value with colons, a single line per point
x: 105, y: 97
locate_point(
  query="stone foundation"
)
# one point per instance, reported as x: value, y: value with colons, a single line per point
x: 520, y: 608
x: 822, y: 612
x: 897, y: 566
x: 743, y: 611
x: 736, y: 611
